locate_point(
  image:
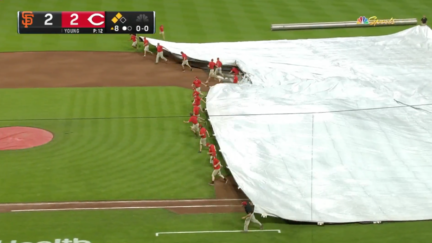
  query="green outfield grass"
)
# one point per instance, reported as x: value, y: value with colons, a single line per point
x: 136, y: 226
x: 110, y: 143
x: 206, y: 21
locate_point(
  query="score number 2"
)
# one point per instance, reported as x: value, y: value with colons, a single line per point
x: 49, y: 18
x: 75, y: 16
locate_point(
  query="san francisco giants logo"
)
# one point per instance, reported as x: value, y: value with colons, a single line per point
x: 27, y: 18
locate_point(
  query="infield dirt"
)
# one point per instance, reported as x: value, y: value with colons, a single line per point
x: 109, y: 69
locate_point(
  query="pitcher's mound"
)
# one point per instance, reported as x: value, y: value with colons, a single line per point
x: 13, y: 138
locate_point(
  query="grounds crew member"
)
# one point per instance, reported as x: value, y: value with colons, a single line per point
x: 159, y: 54
x: 195, y: 126
x: 146, y: 46
x: 161, y: 31
x: 185, y: 61
x: 249, y: 217
x: 134, y: 40
x: 216, y: 171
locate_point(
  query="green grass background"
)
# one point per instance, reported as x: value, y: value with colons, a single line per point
x: 130, y: 143
x: 206, y: 21
x: 109, y: 144
x: 136, y: 226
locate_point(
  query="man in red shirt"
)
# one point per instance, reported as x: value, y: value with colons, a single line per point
x: 212, y: 151
x: 160, y: 53
x: 203, y: 134
x: 146, y: 46
x: 196, y: 112
x: 212, y: 73
x: 185, y: 61
x: 195, y: 93
x: 134, y: 40
x: 235, y: 80
x: 196, y: 84
x: 161, y: 31
x: 219, y: 67
x: 235, y: 71
x: 197, y: 102
x: 216, y: 171
x: 194, y: 120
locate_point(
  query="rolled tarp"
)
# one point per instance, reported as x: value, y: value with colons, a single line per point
x: 362, y: 21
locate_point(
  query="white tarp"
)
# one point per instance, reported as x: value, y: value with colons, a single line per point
x: 332, y: 130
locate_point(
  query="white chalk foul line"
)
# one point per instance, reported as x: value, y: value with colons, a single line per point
x: 117, y: 208
x: 136, y: 201
x: 215, y: 231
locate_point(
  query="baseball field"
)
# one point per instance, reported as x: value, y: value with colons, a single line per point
x: 122, y: 166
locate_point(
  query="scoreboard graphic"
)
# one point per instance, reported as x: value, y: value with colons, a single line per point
x: 86, y: 22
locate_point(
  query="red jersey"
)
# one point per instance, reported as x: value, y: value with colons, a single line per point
x: 197, y: 83
x: 197, y: 101
x: 235, y: 70
x: 195, y: 93
x: 159, y: 48
x: 203, y: 132
x: 146, y: 42
x: 211, y: 65
x: 184, y: 56
x: 218, y: 64
x: 161, y: 28
x: 193, y: 119
x: 196, y: 110
x: 235, y: 79
x: 212, y: 150
x: 133, y: 38
x: 216, y: 164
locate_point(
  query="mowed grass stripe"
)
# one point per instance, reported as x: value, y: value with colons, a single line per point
x: 65, y: 103
x: 213, y: 20
x: 244, y: 21
x: 402, y: 9
x: 254, y: 11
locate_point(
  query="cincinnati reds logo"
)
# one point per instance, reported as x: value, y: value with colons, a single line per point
x: 90, y: 19
x: 27, y: 18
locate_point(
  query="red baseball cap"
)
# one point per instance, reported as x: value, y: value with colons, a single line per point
x: 244, y: 203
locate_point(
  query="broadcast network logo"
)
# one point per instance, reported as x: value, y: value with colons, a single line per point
x: 75, y: 240
x: 362, y: 20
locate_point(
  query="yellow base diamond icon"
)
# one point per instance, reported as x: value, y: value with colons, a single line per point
x: 119, y: 15
x: 114, y: 20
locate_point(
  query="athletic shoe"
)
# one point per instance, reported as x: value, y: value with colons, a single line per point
x: 199, y: 151
x: 226, y: 180
x: 262, y: 227
x: 191, y: 69
x: 211, y: 183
